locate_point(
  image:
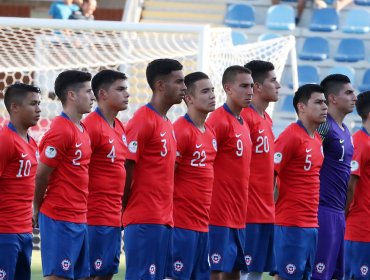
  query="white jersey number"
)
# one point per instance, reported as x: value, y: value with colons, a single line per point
x: 239, y: 148
x: 164, y: 152
x: 24, y: 168
x: 308, y: 163
x: 78, y: 155
x: 263, y: 145
x: 112, y: 154
x: 200, y: 157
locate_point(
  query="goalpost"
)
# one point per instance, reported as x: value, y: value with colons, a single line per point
x: 35, y: 50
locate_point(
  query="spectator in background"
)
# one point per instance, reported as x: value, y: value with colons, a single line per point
x: 63, y: 10
x: 86, y: 10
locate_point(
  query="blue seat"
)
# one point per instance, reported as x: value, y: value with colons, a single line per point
x: 357, y: 21
x: 350, y: 50
x: 365, y: 85
x: 345, y: 70
x: 268, y: 36
x: 280, y: 17
x: 362, y: 2
x: 307, y: 74
x: 239, y: 38
x: 325, y: 20
x: 240, y: 15
x: 287, y: 104
x: 315, y: 48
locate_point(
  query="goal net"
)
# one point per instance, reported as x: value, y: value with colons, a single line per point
x: 35, y: 51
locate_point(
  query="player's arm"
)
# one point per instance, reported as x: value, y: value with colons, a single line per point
x: 130, y: 167
x: 276, y: 190
x: 42, y: 180
x: 351, y: 191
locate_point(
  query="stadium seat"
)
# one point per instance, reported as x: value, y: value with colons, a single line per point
x: 280, y: 17
x: 307, y: 74
x: 345, y: 70
x: 240, y: 15
x: 350, y: 50
x: 362, y: 2
x: 357, y: 21
x: 287, y: 104
x: 365, y: 85
x: 239, y: 38
x: 268, y: 36
x: 325, y: 20
x: 315, y: 48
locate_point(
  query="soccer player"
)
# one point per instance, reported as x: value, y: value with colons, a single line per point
x: 298, y: 159
x: 18, y: 163
x: 107, y: 174
x: 334, y: 176
x: 259, y: 249
x: 231, y: 169
x: 196, y: 152
x: 357, y: 235
x: 60, y: 203
x: 150, y: 165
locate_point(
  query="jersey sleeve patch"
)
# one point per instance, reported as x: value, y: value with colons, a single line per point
x: 50, y: 152
x: 132, y: 147
x: 354, y: 165
x: 278, y: 157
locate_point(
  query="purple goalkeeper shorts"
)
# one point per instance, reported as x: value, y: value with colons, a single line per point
x: 329, y: 261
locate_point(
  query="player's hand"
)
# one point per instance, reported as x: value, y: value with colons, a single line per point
x: 35, y: 219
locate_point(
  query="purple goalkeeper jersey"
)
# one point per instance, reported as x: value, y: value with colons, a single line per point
x: 336, y: 168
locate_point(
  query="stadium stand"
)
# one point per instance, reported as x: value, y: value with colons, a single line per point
x: 307, y: 74
x: 324, y: 20
x: 362, y: 2
x: 238, y: 37
x: 365, y: 84
x: 280, y: 17
x: 357, y: 21
x: 350, y: 50
x: 315, y: 48
x: 268, y: 36
x: 240, y: 15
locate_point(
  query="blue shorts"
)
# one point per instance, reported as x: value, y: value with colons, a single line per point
x: 147, y: 250
x: 226, y: 249
x: 105, y: 250
x: 329, y: 261
x: 189, y: 259
x: 15, y: 256
x: 295, y: 250
x: 357, y: 260
x: 64, y: 248
x: 259, y: 248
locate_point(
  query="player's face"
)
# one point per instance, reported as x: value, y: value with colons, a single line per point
x: 118, y: 95
x: 30, y: 109
x: 174, y: 87
x: 270, y: 88
x: 316, y: 108
x: 346, y: 99
x: 203, y: 97
x: 84, y: 98
x: 241, y: 90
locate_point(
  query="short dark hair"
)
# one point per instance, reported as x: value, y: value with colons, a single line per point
x: 333, y: 83
x: 303, y: 94
x: 192, y: 78
x: 69, y: 80
x: 363, y: 105
x: 259, y: 69
x: 16, y: 93
x: 104, y: 79
x: 231, y: 72
x: 159, y: 68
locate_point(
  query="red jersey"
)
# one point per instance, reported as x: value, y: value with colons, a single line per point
x: 231, y: 167
x: 261, y: 205
x: 107, y: 173
x: 298, y: 159
x: 67, y: 149
x: 357, y: 223
x: 196, y: 152
x: 18, y: 164
x: 152, y: 146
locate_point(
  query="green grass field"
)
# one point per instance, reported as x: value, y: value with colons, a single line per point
x: 37, y: 271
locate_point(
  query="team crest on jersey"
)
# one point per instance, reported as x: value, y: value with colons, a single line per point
x: 178, y: 266
x: 364, y: 270
x: 2, y: 274
x: 354, y: 165
x: 132, y: 147
x: 320, y: 267
x: 152, y: 269
x: 98, y: 264
x: 248, y: 259
x: 278, y: 157
x: 214, y: 143
x: 290, y: 268
x: 215, y: 258
x: 50, y: 152
x: 66, y: 264
x: 124, y: 139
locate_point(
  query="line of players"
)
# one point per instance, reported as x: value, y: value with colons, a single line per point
x: 191, y: 223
